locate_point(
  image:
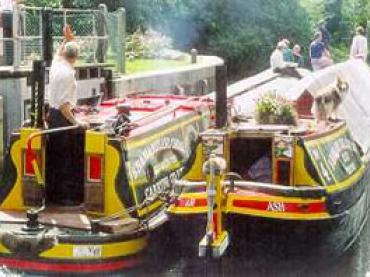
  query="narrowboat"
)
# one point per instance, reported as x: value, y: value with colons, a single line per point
x: 135, y: 146
x: 307, y: 179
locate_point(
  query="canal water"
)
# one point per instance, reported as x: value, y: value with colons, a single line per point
x: 264, y: 256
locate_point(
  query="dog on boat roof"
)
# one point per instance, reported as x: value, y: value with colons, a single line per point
x: 328, y: 99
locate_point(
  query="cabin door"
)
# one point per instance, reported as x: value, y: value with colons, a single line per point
x: 283, y: 153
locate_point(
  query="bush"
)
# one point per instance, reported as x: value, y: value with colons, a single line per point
x: 146, y: 45
x: 273, y: 109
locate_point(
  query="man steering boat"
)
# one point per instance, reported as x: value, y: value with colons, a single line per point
x: 65, y: 150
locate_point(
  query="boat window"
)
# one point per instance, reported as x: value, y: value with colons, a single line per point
x: 251, y: 158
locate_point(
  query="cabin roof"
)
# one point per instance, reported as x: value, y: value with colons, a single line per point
x: 246, y: 93
x: 148, y: 111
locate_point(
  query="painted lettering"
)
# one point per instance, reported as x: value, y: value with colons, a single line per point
x: 276, y: 207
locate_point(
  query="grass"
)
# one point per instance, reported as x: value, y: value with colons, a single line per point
x: 145, y: 65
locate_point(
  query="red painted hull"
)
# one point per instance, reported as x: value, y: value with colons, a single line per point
x: 46, y: 266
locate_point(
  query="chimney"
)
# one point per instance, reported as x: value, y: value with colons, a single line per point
x: 221, y: 96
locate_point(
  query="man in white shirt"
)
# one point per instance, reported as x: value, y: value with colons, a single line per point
x: 359, y: 45
x: 279, y: 66
x: 277, y: 58
x: 62, y: 91
x: 65, y: 151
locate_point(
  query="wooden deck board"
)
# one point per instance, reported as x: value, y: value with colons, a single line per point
x: 62, y: 217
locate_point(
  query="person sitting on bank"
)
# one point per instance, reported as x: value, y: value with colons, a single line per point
x: 64, y: 149
x: 320, y: 56
x: 287, y: 52
x: 297, y: 56
x: 278, y: 64
x: 359, y: 45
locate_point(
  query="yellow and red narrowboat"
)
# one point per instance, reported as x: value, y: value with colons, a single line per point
x: 127, y: 163
x: 307, y: 179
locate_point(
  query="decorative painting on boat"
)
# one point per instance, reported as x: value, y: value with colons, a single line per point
x: 335, y: 157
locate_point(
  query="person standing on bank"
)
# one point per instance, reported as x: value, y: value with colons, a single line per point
x: 65, y: 149
x: 359, y: 45
x: 325, y: 35
x: 320, y: 56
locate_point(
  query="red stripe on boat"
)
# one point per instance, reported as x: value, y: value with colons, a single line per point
x: 66, y: 267
x: 318, y: 207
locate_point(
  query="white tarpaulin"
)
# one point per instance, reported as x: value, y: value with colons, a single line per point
x: 355, y: 108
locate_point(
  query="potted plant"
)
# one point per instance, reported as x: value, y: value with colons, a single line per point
x: 274, y: 109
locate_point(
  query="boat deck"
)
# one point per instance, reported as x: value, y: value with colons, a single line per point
x: 69, y: 217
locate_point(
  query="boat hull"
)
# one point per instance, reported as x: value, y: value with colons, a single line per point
x: 332, y: 234
x: 69, y: 251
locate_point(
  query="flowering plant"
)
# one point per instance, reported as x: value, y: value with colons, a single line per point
x: 146, y: 44
x: 274, y: 109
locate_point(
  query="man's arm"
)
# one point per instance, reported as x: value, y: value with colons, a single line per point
x: 68, y: 36
x: 65, y: 109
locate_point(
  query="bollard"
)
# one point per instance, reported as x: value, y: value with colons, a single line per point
x: 121, y: 27
x: 216, y: 239
x: 194, y: 54
x: 101, y: 29
x: 17, y: 53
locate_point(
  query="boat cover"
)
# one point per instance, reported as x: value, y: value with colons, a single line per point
x: 355, y: 108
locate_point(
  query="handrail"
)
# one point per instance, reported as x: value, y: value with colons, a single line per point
x: 45, y: 132
x: 317, y: 190
x: 30, y: 152
x: 61, y: 9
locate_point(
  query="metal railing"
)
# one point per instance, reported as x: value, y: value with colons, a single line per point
x: 100, y: 34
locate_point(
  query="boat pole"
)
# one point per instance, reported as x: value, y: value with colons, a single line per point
x: 216, y: 239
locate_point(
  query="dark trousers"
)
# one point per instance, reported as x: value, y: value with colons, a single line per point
x: 8, y: 33
x: 64, y: 162
x: 290, y: 71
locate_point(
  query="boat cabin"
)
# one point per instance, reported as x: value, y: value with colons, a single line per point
x: 301, y: 155
x: 134, y: 146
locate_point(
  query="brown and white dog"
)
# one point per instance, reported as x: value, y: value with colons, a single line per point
x: 328, y: 99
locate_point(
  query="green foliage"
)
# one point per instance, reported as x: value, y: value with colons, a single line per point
x: 144, y: 65
x: 244, y: 32
x: 273, y: 109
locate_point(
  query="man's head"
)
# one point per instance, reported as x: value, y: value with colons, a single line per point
x: 297, y: 49
x: 71, y: 51
x: 281, y: 45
